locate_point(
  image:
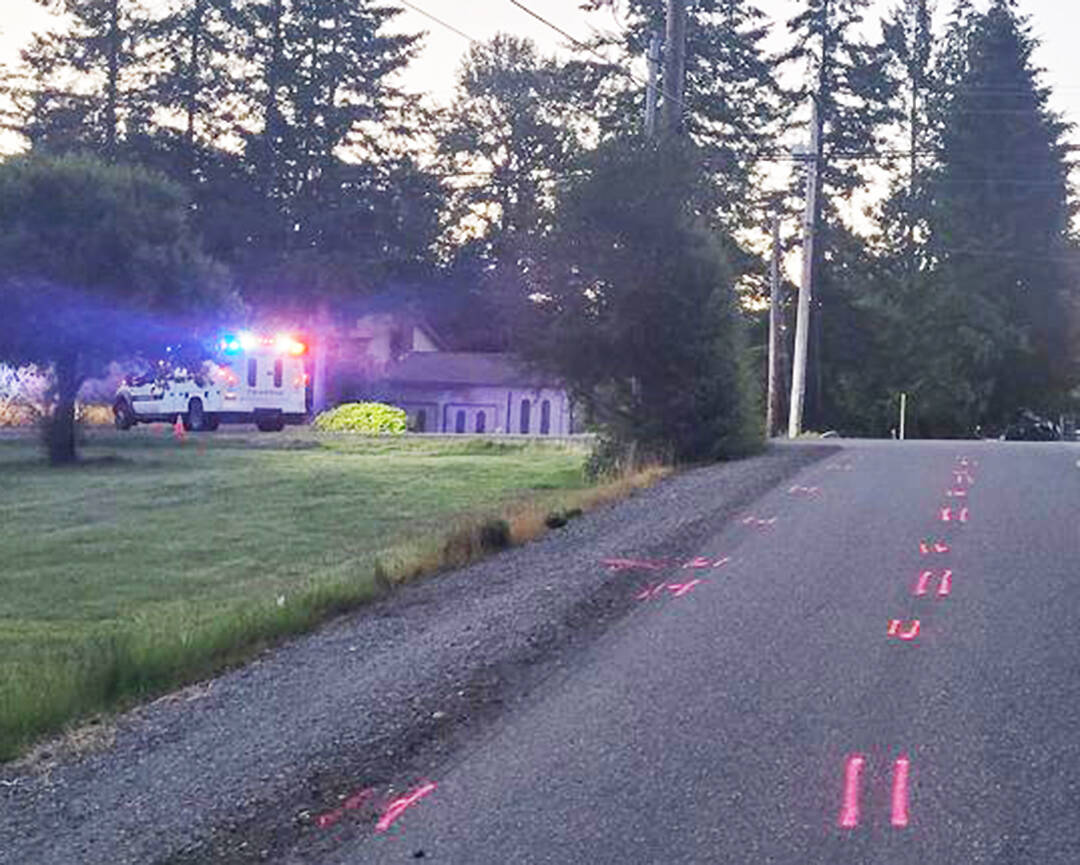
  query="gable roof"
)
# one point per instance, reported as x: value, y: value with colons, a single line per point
x: 467, y: 368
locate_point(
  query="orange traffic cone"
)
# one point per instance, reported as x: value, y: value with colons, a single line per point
x: 178, y: 429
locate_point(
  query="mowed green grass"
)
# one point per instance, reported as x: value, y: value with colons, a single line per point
x: 156, y: 561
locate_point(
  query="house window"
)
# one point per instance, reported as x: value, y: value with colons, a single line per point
x: 481, y: 422
x: 253, y: 370
x: 459, y: 422
x: 525, y: 407
x: 545, y: 417
x: 279, y: 372
x: 421, y: 420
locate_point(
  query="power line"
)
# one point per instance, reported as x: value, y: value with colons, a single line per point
x: 774, y: 157
x: 586, y: 47
x: 449, y: 27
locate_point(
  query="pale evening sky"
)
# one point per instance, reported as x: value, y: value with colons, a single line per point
x: 1056, y: 23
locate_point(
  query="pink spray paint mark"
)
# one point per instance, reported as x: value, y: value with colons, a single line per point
x: 964, y: 514
x: 699, y: 562
x: 946, y: 515
x: 938, y: 547
x: 399, y: 806
x: 922, y: 587
x: 325, y: 821
x: 901, y: 771
x: 719, y: 563
x: 353, y: 803
x: 896, y: 629
x: 759, y: 522
x: 678, y: 591
x: 632, y: 564
x: 804, y: 491
x: 650, y: 592
x: 956, y: 494
x: 849, y: 812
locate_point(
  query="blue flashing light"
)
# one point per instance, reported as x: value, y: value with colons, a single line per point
x: 230, y: 344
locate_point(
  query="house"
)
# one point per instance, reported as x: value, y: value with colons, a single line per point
x: 366, y: 346
x: 472, y: 392
x: 399, y: 358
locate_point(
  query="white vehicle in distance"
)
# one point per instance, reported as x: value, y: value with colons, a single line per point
x: 252, y: 379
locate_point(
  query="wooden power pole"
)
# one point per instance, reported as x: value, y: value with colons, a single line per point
x: 651, y: 92
x: 806, y: 289
x: 674, y: 66
x: 772, y: 411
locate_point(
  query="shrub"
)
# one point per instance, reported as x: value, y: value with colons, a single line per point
x: 372, y: 418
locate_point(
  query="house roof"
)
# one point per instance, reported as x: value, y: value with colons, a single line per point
x: 467, y: 368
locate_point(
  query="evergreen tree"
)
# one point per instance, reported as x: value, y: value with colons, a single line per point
x: 510, y: 125
x: 60, y: 111
x: 509, y: 140
x: 847, y: 79
x: 634, y: 306
x: 191, y: 49
x: 97, y: 262
x: 320, y: 84
x: 733, y: 104
x: 908, y: 41
x: 1000, y: 220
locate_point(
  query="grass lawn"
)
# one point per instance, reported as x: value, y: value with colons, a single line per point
x: 156, y: 561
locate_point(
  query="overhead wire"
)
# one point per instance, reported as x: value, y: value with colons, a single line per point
x: 584, y: 46
x: 785, y: 156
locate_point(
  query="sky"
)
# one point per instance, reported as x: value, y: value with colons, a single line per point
x: 1054, y: 22
x: 433, y: 73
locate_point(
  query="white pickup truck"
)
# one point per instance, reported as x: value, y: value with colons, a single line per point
x: 252, y: 379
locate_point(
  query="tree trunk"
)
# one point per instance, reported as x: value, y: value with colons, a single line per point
x: 112, y: 83
x: 191, y: 97
x: 60, y: 426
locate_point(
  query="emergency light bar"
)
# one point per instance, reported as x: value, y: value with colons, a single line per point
x: 246, y: 341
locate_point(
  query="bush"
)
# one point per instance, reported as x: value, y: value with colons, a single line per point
x: 371, y: 418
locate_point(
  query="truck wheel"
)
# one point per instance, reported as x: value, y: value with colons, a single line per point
x: 195, y: 419
x: 270, y: 424
x: 123, y: 416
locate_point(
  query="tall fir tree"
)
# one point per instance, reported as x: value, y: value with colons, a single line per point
x: 733, y: 106
x: 1000, y: 217
x: 84, y: 86
x: 508, y: 141
x: 191, y: 49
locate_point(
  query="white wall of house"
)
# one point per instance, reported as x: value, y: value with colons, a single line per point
x: 373, y: 339
x: 479, y: 409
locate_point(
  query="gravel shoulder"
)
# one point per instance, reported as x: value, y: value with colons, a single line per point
x: 240, y: 768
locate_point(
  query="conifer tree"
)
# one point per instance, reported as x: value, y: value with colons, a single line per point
x: 1000, y: 222
x: 733, y: 105
x: 59, y: 110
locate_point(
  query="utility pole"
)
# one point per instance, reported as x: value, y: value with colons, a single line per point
x: 772, y: 411
x: 651, y: 91
x: 674, y: 66
x: 806, y: 289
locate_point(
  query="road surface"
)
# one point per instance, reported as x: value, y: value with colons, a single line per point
x: 885, y: 670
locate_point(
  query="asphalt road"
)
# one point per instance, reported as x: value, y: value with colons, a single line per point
x: 768, y: 715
